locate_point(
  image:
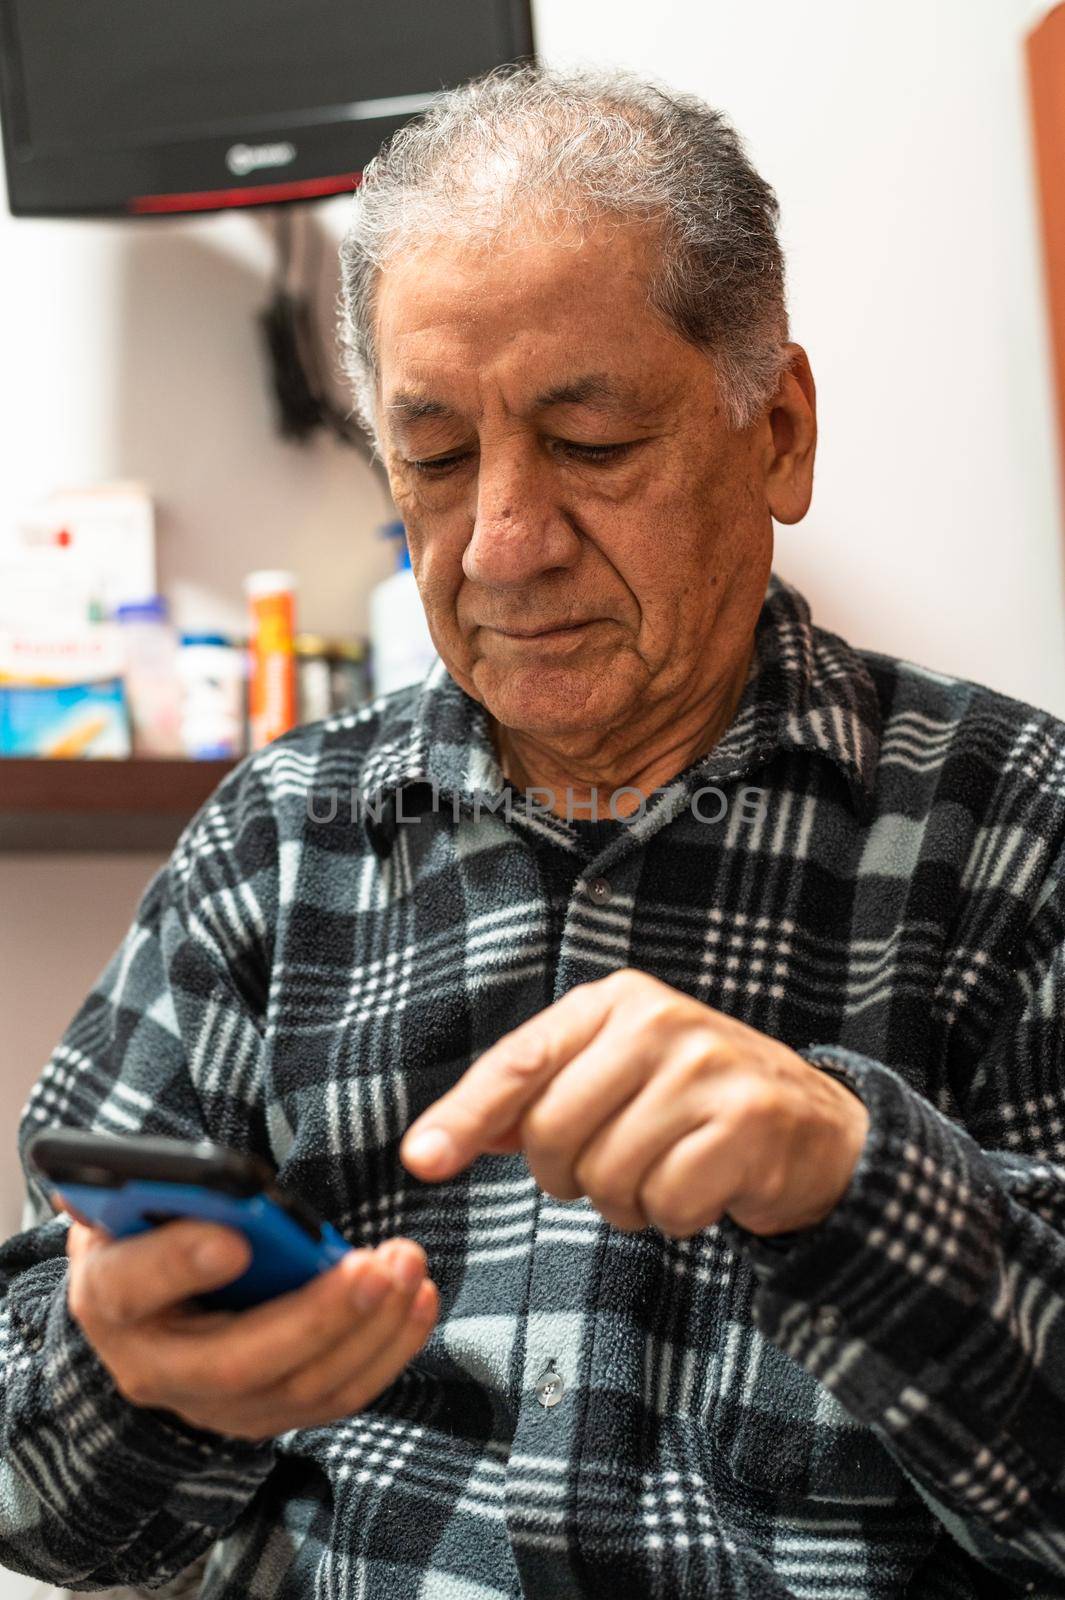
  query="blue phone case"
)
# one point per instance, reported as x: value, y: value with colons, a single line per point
x: 284, y: 1256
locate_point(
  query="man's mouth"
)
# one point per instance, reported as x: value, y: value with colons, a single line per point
x: 550, y: 631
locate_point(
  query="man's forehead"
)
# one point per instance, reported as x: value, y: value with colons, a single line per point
x: 595, y: 391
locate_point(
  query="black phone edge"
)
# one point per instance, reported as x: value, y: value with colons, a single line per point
x: 72, y: 1155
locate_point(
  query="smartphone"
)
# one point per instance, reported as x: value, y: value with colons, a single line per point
x: 127, y: 1184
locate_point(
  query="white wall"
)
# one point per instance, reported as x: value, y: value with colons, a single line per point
x: 131, y: 349
x: 897, y: 141
x: 898, y: 144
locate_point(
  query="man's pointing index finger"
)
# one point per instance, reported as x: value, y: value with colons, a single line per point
x: 501, y: 1085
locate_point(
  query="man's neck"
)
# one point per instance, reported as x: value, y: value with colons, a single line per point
x: 582, y: 779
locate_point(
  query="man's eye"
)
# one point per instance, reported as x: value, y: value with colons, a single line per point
x: 438, y: 465
x: 595, y: 452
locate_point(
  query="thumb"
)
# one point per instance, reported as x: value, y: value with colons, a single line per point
x: 82, y: 1240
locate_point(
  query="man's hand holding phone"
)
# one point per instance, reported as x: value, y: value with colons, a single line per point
x: 299, y: 1360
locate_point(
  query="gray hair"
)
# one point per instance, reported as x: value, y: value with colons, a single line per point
x: 581, y: 147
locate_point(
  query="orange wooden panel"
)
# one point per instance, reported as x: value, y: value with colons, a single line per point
x: 1045, y: 49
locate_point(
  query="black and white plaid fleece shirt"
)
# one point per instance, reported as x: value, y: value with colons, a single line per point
x: 875, y: 1409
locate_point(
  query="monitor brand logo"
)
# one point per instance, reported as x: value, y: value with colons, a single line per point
x: 244, y: 158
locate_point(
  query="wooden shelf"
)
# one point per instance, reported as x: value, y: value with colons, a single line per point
x: 101, y: 805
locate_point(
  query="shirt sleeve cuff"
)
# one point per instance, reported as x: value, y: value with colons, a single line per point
x: 894, y: 1272
x: 134, y: 1459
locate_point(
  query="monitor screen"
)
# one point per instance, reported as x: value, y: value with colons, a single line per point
x: 116, y: 84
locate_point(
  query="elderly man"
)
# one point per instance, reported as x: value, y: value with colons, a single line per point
x: 667, y: 994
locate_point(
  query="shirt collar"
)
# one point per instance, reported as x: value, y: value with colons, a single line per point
x: 807, y: 690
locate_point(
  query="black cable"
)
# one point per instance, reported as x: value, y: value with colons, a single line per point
x: 283, y: 252
x: 293, y: 349
x: 342, y: 423
x: 298, y: 411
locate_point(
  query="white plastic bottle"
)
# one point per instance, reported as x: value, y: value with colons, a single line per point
x: 212, y: 672
x: 150, y: 650
x: 402, y: 650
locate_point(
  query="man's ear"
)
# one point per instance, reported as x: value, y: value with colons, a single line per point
x: 791, y: 440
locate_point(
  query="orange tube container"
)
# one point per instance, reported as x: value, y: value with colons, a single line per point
x: 271, y: 659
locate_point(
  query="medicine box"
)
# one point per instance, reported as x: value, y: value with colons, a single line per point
x: 61, y: 693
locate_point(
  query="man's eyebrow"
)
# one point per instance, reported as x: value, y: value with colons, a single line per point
x: 596, y: 390
x: 415, y: 408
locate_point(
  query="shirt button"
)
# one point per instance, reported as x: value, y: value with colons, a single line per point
x: 549, y: 1386
x: 600, y: 890
x: 826, y: 1321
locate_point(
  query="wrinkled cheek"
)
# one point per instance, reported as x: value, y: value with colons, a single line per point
x: 454, y: 638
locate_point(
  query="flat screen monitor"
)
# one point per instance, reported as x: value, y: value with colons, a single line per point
x: 151, y: 107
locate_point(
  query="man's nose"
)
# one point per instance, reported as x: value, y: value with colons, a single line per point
x: 519, y: 529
